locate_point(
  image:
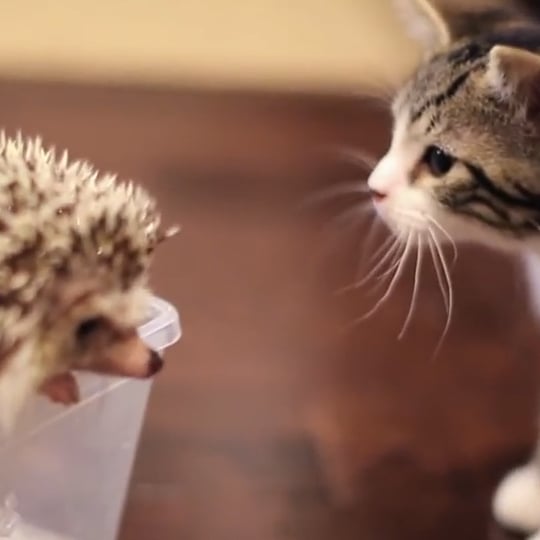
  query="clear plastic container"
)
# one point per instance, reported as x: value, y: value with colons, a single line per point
x: 65, y: 472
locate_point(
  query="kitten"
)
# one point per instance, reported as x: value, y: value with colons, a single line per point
x: 464, y: 161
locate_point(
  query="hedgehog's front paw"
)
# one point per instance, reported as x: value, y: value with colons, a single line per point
x: 62, y: 388
x: 516, y: 504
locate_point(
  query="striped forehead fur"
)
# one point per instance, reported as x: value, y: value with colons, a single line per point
x: 443, y: 74
x: 484, y: 126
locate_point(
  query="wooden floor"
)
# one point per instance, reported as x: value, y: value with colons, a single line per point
x: 275, y: 420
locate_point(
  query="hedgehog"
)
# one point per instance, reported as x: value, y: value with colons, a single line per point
x: 75, y: 251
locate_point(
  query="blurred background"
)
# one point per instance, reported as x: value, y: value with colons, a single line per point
x: 274, y: 420
x: 308, y: 45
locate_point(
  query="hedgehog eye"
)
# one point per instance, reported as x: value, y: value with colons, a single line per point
x: 438, y: 161
x: 88, y: 327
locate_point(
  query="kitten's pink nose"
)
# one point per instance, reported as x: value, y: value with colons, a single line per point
x: 377, y: 195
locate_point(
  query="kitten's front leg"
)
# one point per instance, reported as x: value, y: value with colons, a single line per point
x: 516, y: 504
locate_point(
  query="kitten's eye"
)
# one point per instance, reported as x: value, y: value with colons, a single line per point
x: 88, y: 327
x: 438, y: 161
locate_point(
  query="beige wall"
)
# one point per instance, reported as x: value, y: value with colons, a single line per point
x: 303, y: 44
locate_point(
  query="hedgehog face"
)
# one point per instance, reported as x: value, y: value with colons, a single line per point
x: 81, y: 326
x: 90, y: 327
x: 86, y: 326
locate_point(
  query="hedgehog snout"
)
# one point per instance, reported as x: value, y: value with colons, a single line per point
x: 136, y: 365
x: 126, y: 356
x: 155, y: 364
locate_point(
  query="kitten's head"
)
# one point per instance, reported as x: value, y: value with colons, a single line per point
x: 465, y: 152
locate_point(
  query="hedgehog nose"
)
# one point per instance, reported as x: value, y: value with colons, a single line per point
x: 155, y: 363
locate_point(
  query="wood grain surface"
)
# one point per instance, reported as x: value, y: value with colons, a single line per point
x: 272, y: 421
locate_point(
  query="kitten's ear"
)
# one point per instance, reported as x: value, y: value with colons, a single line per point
x: 515, y: 73
x: 436, y: 24
x: 425, y: 23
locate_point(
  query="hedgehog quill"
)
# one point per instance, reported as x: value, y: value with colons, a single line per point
x: 75, y: 250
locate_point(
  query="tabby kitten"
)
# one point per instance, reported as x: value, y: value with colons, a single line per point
x: 464, y: 161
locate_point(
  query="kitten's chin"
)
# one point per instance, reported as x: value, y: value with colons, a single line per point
x: 443, y: 227
x: 414, y: 217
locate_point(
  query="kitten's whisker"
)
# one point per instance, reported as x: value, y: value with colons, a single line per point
x: 378, y: 93
x: 366, y: 245
x: 382, y: 102
x: 395, y: 260
x: 387, y: 251
x: 381, y: 279
x: 447, y: 234
x: 423, y: 219
x: 391, y: 287
x: 346, y: 217
x: 395, y: 244
x: 439, y: 274
x: 388, y: 244
x: 348, y: 220
x: 369, y: 238
x: 358, y: 157
x: 359, y: 187
x: 450, y: 292
x: 381, y: 90
x: 414, y: 297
